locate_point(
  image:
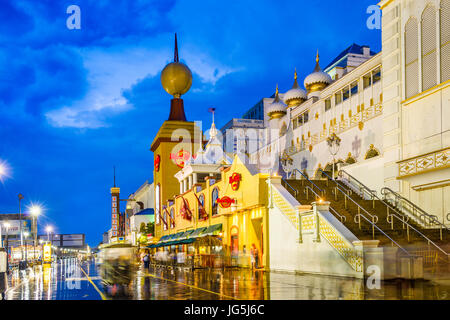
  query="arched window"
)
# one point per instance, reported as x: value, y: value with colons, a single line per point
x: 411, y: 58
x: 157, y: 204
x: 429, y: 53
x: 165, y: 219
x: 445, y: 40
x: 201, y: 199
x: 172, y: 218
x: 214, y: 204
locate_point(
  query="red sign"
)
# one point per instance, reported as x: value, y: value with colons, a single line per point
x: 157, y: 162
x: 225, y: 201
x: 180, y: 157
x: 234, y: 181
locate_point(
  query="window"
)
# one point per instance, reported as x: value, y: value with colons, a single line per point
x: 201, y: 199
x: 214, y: 204
x: 157, y: 204
x: 367, y: 80
x: 354, y: 88
x: 327, y: 104
x: 165, y: 220
x: 338, y: 97
x: 358, y: 109
x: 172, y: 218
x: 350, y: 113
x: 345, y: 94
x: 411, y: 58
x: 342, y: 117
x: 305, y: 117
x: 429, y: 52
x: 445, y: 40
x: 376, y: 75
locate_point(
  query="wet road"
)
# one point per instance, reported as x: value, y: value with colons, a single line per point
x: 67, y: 280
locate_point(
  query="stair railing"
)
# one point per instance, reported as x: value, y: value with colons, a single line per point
x: 318, y: 197
x: 373, y: 218
x: 291, y: 187
x: 322, y: 192
x: 407, y: 207
x: 364, y: 191
x: 391, y: 210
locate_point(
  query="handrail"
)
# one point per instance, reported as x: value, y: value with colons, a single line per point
x: 341, y: 217
x: 347, y: 196
x: 295, y: 190
x: 359, y: 215
x: 307, y: 179
x: 391, y: 215
x: 422, y: 213
x: 362, y: 187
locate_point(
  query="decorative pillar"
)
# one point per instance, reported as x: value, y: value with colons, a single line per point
x: 195, y: 177
x: 181, y: 187
x: 184, y: 185
x: 190, y: 182
x: 319, y: 206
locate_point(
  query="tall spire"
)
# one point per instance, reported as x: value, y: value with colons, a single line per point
x: 175, y: 56
x: 317, y: 68
x: 295, y: 80
x: 114, y: 176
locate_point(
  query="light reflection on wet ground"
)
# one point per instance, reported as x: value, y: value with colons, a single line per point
x: 66, y: 281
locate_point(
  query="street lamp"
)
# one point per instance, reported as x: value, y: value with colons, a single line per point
x: 35, y: 212
x: 334, y: 142
x: 7, y: 226
x: 26, y: 234
x: 21, y: 197
x: 48, y: 229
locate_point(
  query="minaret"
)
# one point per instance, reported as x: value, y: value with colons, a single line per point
x: 176, y: 139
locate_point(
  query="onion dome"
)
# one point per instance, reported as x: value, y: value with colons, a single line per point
x: 277, y: 108
x: 296, y: 95
x: 317, y: 80
x: 176, y: 77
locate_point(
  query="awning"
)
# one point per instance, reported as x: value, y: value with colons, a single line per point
x: 174, y: 236
x: 186, y: 234
x: 164, y: 238
x: 213, y: 230
x: 197, y: 232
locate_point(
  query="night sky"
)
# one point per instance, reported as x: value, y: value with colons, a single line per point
x: 74, y: 103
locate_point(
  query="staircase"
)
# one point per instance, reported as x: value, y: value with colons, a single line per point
x: 369, y: 217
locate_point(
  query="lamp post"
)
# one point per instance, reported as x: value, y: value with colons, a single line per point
x: 26, y: 234
x: 48, y: 229
x: 7, y: 225
x: 334, y: 142
x: 21, y: 197
x: 35, y: 212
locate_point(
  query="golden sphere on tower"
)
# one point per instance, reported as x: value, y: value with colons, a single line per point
x: 176, y: 79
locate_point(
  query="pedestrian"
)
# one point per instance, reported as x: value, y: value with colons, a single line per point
x: 146, y: 260
x: 252, y: 255
x: 256, y: 257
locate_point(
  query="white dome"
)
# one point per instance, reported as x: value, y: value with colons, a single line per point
x: 295, y: 93
x: 277, y: 107
x: 318, y: 77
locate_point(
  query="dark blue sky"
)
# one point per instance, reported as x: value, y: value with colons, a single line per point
x: 73, y: 103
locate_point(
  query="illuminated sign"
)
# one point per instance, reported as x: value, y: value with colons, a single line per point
x: 180, y: 157
x: 234, y: 181
x: 157, y: 162
x: 47, y: 252
x: 225, y: 202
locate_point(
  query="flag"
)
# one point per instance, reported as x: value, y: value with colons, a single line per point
x: 211, y: 110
